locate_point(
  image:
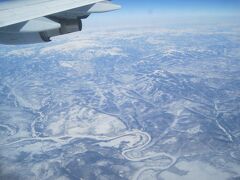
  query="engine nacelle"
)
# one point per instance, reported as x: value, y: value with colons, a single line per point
x: 67, y: 26
x: 7, y: 36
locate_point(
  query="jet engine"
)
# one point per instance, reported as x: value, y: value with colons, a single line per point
x: 67, y: 26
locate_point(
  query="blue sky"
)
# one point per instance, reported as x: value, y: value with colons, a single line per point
x: 157, y: 11
x: 230, y: 6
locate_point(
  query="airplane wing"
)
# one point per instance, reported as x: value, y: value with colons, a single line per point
x: 12, y: 12
x: 19, y: 17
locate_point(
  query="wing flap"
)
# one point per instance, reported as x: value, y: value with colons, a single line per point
x: 12, y: 14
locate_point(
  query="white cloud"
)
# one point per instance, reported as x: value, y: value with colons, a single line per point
x: 69, y: 46
x: 80, y: 66
x: 196, y: 170
x: 110, y: 52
